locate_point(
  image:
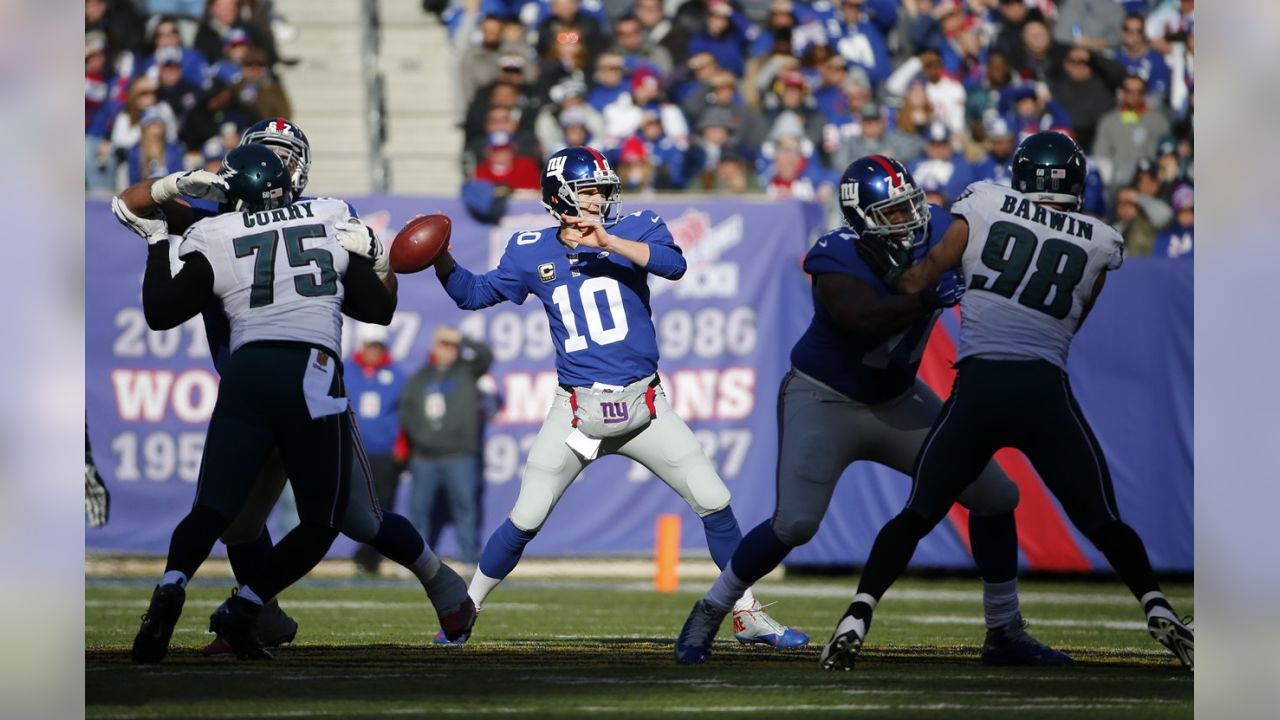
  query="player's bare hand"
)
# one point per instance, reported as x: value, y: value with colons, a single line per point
x: 586, y: 231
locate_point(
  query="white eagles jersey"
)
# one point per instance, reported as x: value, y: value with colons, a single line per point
x: 278, y: 273
x: 1030, y: 271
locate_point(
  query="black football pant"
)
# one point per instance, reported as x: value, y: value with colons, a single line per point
x: 261, y: 406
x: 1027, y: 405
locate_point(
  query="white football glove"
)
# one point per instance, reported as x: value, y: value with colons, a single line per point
x: 360, y: 239
x: 194, y: 184
x: 152, y: 228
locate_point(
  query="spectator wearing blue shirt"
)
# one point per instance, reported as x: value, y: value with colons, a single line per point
x: 778, y: 26
x: 665, y: 155
x: 1000, y: 143
x: 1178, y: 241
x: 166, y: 35
x: 726, y: 34
x: 1029, y: 109
x: 1138, y: 58
x: 608, y: 83
x: 860, y: 41
x: 631, y: 41
x: 374, y: 384
x: 942, y: 163
x: 157, y: 153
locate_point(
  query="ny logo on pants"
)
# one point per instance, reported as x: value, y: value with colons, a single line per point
x: 614, y: 412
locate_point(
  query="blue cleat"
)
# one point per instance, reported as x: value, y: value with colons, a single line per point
x: 753, y: 625
x: 1011, y: 645
x: 440, y: 639
x: 693, y: 647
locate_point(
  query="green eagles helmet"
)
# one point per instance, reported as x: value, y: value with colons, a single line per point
x: 1049, y: 167
x: 257, y: 178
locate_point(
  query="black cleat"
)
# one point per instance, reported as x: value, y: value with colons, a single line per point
x: 152, y: 641
x: 1175, y: 634
x: 1012, y: 645
x: 234, y: 622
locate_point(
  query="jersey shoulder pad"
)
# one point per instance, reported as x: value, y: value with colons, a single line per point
x: 833, y: 252
x: 524, y: 242
x: 327, y: 208
x: 967, y: 201
x: 636, y: 225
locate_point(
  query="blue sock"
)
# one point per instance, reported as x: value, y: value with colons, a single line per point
x: 723, y: 535
x: 995, y: 546
x: 397, y: 540
x: 504, y: 549
x: 759, y: 553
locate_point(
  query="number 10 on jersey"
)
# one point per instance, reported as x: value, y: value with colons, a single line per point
x: 587, y: 295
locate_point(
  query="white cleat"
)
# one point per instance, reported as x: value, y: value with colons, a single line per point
x: 1175, y: 634
x: 845, y: 644
x: 753, y: 625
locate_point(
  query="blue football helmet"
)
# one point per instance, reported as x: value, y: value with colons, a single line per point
x: 882, y: 202
x: 289, y: 142
x: 572, y: 169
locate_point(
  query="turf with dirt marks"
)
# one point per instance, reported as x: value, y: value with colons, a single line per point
x: 587, y: 649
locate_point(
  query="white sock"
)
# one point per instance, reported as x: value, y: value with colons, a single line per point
x: 247, y: 593
x: 1000, y: 603
x: 865, y: 599
x: 173, y: 577
x: 481, y: 586
x: 727, y: 592
x: 425, y: 567
x: 747, y: 601
x: 1148, y: 606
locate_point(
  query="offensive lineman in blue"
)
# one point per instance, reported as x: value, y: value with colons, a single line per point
x: 852, y: 394
x: 590, y: 271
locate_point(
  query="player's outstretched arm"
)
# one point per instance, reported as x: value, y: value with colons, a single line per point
x: 857, y: 310
x: 943, y: 257
x: 474, y: 292
x: 367, y: 298
x: 155, y: 196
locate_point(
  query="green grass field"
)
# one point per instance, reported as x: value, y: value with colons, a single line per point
x: 545, y: 648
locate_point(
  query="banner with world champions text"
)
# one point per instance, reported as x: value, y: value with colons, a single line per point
x: 725, y: 332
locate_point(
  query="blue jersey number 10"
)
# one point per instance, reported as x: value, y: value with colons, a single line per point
x: 587, y: 293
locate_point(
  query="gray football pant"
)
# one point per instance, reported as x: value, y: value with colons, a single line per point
x: 822, y: 432
x: 363, y: 516
x: 666, y: 446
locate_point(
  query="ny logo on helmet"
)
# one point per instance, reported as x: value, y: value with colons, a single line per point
x: 849, y: 193
x: 555, y: 166
x: 614, y: 412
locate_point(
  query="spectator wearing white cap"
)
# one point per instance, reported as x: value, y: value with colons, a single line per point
x: 1000, y: 145
x: 157, y: 153
x: 941, y: 162
x: 1178, y: 241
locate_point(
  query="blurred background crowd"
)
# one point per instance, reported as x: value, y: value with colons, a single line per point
x: 714, y: 96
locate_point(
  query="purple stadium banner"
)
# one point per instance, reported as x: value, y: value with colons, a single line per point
x: 725, y: 332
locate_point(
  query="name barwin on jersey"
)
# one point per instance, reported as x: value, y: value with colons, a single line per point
x: 1053, y: 219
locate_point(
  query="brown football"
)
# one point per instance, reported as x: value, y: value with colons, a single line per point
x: 420, y: 242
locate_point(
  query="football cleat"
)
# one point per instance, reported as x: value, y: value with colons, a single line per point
x: 152, y: 641
x: 274, y: 628
x: 753, y: 625
x: 1175, y: 634
x: 693, y: 647
x: 442, y: 639
x: 234, y: 622
x: 456, y: 622
x: 1011, y: 645
x: 845, y: 644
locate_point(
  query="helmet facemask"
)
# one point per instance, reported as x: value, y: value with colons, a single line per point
x: 606, y: 205
x: 898, y: 218
x: 294, y: 153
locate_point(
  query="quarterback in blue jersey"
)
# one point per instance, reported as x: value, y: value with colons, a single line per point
x: 590, y: 270
x: 158, y: 208
x: 852, y: 394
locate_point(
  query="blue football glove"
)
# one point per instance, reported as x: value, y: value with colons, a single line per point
x: 947, y: 292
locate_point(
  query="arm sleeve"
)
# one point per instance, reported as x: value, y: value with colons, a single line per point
x: 473, y: 292
x: 170, y: 300
x: 665, y: 257
x: 366, y: 299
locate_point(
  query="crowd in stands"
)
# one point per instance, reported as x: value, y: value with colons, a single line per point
x: 778, y: 96
x: 171, y: 84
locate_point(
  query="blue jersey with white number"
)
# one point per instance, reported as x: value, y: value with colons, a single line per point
x: 845, y: 362
x: 217, y: 328
x: 597, y: 301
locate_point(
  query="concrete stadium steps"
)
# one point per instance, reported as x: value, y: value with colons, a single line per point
x: 328, y: 12
x: 340, y: 174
